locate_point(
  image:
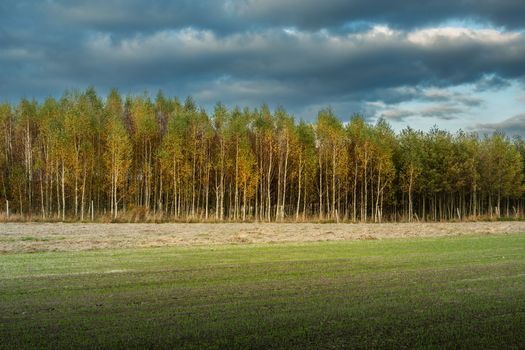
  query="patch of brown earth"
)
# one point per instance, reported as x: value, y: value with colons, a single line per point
x: 32, y: 237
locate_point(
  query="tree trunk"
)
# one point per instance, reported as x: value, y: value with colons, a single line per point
x: 354, y: 215
x: 320, y: 187
x: 63, y: 192
x: 83, y: 194
x: 284, y: 178
x: 269, y: 198
x: 333, y: 181
x: 42, y: 206
x: 236, y: 194
x: 299, y: 189
x: 410, y: 204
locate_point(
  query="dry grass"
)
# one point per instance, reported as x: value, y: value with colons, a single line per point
x: 32, y: 237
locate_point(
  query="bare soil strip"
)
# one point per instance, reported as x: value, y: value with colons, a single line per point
x: 33, y: 237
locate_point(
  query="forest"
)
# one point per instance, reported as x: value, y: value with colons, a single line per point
x: 138, y: 158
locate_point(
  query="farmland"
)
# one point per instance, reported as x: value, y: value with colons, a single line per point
x: 39, y: 237
x: 455, y: 288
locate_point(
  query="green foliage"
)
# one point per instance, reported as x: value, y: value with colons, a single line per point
x: 84, y: 157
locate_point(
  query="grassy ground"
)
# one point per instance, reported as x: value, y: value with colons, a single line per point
x: 453, y: 292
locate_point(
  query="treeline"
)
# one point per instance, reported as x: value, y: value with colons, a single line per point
x: 141, y: 159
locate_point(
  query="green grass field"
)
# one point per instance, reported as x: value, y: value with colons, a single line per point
x: 447, y: 292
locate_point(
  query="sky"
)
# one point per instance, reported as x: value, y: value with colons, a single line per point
x: 457, y: 64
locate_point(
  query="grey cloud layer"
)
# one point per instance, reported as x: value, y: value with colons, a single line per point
x: 297, y: 53
x: 442, y: 105
x: 440, y: 111
x: 312, y: 14
x: 301, y: 65
x: 511, y: 126
x: 400, y: 13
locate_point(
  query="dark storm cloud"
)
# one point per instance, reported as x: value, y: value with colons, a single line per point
x: 128, y: 16
x: 399, y: 13
x: 298, y: 66
x: 299, y: 54
x: 134, y: 15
